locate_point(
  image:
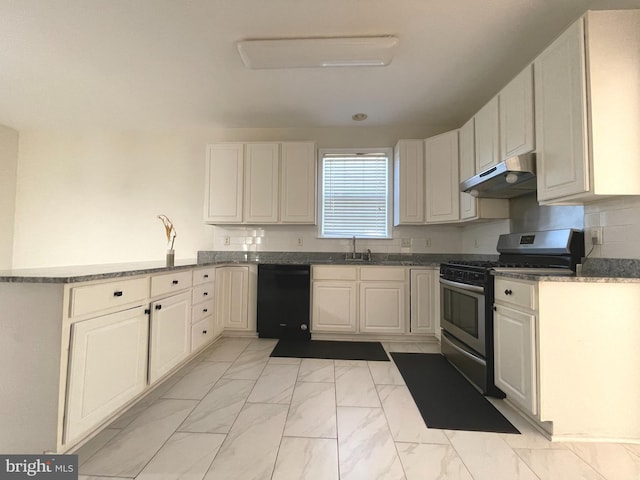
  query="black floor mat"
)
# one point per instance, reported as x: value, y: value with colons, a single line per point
x: 445, y: 398
x: 331, y: 350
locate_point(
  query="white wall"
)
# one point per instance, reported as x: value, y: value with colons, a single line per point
x: 87, y: 197
x: 620, y: 219
x: 8, y: 168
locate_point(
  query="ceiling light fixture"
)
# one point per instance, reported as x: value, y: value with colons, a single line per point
x: 318, y: 52
x: 359, y: 117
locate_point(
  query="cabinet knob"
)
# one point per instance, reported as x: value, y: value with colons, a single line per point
x: 495, y: 309
x: 175, y: 282
x: 205, y: 293
x: 206, y: 275
x: 158, y: 307
x: 117, y: 293
x: 508, y: 292
x: 204, y: 332
x: 205, y: 310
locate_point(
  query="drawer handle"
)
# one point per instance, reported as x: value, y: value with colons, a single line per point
x: 205, y: 293
x: 508, y: 292
x: 117, y: 293
x: 206, y: 275
x: 175, y: 282
x: 158, y: 307
x: 204, y: 331
x: 205, y: 310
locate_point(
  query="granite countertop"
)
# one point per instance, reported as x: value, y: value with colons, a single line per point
x: 85, y: 273
x: 566, y: 278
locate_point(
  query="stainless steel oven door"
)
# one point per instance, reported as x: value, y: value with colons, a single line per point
x: 462, y: 313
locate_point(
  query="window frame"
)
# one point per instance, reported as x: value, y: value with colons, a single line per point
x: 388, y: 151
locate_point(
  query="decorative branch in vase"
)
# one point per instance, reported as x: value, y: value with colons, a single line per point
x: 171, y: 238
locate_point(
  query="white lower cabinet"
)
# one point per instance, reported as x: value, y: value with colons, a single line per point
x: 515, y: 361
x: 236, y: 297
x: 425, y: 301
x: 334, y: 307
x: 382, y: 307
x: 107, y: 368
x: 367, y: 299
x: 170, y: 335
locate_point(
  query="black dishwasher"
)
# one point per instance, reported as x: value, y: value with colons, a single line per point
x: 283, y: 302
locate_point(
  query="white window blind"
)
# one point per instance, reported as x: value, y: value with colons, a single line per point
x: 355, y: 195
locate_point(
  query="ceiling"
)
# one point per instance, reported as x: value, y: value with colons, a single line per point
x: 174, y: 64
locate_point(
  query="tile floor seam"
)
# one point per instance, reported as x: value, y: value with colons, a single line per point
x: 575, y: 454
x: 275, y: 461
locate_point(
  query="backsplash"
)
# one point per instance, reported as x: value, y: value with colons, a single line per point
x: 527, y: 215
x: 620, y: 219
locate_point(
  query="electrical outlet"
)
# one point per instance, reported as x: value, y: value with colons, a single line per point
x: 300, y: 241
x: 475, y: 243
x: 596, y: 235
x: 227, y: 240
x: 405, y: 242
x: 427, y: 242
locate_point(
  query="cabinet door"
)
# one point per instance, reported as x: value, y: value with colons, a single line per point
x: 298, y: 182
x: 170, y: 337
x: 382, y: 307
x: 561, y: 119
x: 408, y: 165
x: 467, y: 142
x: 232, y: 285
x: 423, y: 300
x: 487, y: 138
x: 442, y: 179
x: 224, y: 183
x: 261, y: 183
x: 108, y: 367
x: 514, y: 352
x: 516, y: 115
x: 334, y: 307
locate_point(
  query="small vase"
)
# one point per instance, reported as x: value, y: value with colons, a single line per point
x: 171, y: 258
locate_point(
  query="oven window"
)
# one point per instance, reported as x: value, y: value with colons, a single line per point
x: 462, y: 311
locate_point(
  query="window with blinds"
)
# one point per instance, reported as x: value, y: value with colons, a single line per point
x: 355, y: 194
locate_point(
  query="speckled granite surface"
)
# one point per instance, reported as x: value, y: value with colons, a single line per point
x: 567, y: 278
x: 337, y: 258
x: 594, y: 270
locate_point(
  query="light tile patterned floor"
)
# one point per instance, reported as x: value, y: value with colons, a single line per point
x: 235, y: 413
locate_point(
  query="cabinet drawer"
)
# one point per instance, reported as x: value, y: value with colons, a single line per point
x: 516, y: 293
x: 201, y: 333
x: 103, y: 296
x: 203, y: 292
x: 198, y: 312
x: 389, y: 274
x: 203, y: 275
x: 334, y: 273
x: 170, y: 282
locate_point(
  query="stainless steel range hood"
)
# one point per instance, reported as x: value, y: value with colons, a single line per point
x: 514, y: 177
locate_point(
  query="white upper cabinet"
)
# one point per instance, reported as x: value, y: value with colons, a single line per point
x: 467, y: 139
x: 408, y: 166
x: 224, y: 183
x: 487, y: 136
x: 261, y: 183
x: 298, y: 182
x: 516, y: 115
x: 472, y: 208
x: 442, y: 178
x: 587, y: 115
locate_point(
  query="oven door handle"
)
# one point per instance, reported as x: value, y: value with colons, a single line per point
x: 471, y: 356
x: 463, y: 286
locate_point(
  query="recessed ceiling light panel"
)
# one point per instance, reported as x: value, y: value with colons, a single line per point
x: 318, y: 52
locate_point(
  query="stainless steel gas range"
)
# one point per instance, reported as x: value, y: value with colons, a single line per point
x: 467, y: 294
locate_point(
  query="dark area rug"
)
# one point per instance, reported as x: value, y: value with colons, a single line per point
x: 445, y: 398
x: 331, y: 350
